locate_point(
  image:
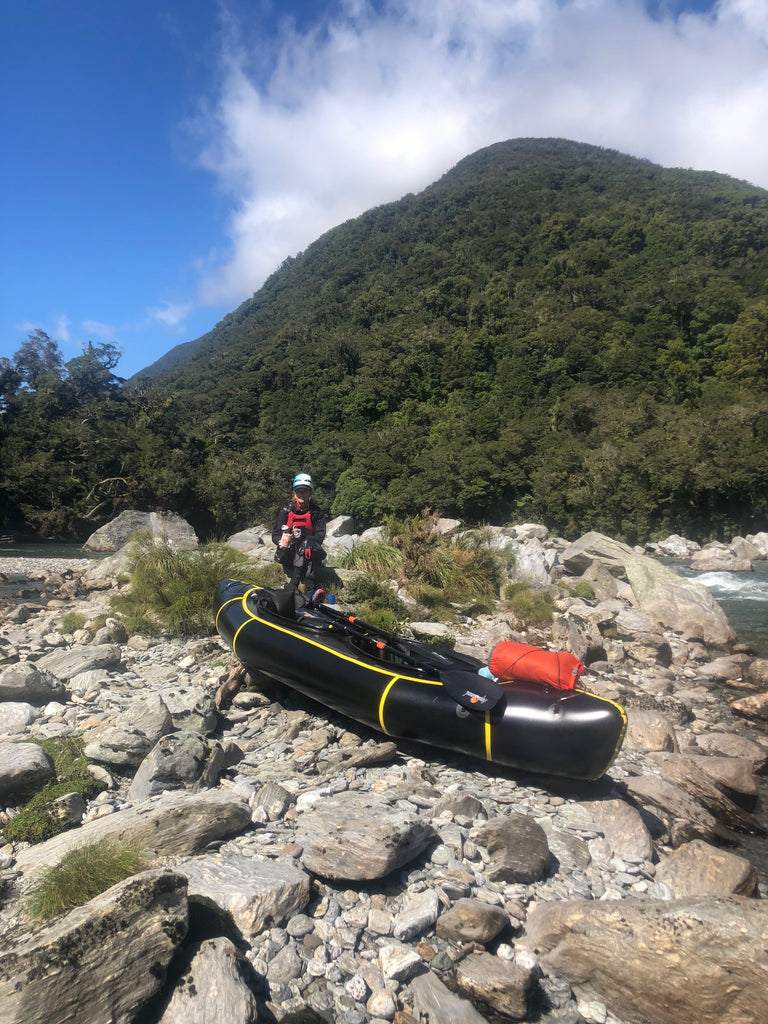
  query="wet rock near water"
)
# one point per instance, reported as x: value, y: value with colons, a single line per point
x: 304, y: 867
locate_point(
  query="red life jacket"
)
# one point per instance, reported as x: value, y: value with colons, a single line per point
x: 304, y: 520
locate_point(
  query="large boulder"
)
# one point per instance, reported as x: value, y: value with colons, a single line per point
x: 165, y: 526
x: 360, y: 836
x: 681, y: 605
x: 656, y: 962
x: 30, y: 683
x: 593, y: 546
x: 101, y: 962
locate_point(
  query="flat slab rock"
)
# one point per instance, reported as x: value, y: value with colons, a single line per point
x: 360, y: 836
x: 175, y: 824
x: 257, y: 894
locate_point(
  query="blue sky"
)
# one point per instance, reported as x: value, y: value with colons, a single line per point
x: 160, y: 158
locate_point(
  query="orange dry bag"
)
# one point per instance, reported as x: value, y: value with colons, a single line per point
x: 511, y: 662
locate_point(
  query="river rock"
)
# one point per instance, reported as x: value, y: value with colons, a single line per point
x: 757, y: 673
x: 623, y: 826
x: 699, y: 869
x: 745, y: 549
x: 593, y: 546
x: 731, y: 774
x: 575, y: 630
x: 78, y: 658
x: 433, y: 1001
x: 729, y: 744
x: 719, y: 558
x: 503, y: 986
x: 254, y: 541
x: 256, y: 893
x: 603, y: 584
x: 16, y: 717
x: 191, y: 708
x: 359, y: 836
x: 649, y: 730
x: 417, y: 916
x: 682, y: 605
x: 174, y: 824
x: 754, y: 708
x: 697, y: 783
x: 163, y: 526
x: 675, y: 546
x: 30, y: 683
x: 683, y: 817
x: 177, y: 761
x: 23, y: 768
x: 760, y: 541
x: 472, y: 921
x: 134, y: 734
x: 517, y: 846
x: 100, y: 962
x: 659, y: 962
x: 213, y: 967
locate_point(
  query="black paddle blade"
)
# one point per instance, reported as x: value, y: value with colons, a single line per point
x: 471, y: 690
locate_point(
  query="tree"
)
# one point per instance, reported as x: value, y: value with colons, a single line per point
x: 38, y: 357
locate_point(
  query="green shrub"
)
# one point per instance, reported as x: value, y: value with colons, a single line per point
x: 172, y: 591
x: 34, y: 823
x: 82, y: 874
x: 532, y: 608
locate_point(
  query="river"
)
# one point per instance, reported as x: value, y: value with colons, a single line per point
x: 743, y: 596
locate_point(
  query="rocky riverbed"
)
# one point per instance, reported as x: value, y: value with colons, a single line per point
x: 304, y: 868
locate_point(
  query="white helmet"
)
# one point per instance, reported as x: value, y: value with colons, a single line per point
x: 302, y: 480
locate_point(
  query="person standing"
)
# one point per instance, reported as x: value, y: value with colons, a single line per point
x: 298, y: 534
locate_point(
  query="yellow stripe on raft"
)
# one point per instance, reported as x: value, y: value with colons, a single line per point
x: 487, y: 735
x: 252, y: 617
x: 384, y: 696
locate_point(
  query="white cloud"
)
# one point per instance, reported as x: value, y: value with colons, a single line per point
x: 96, y: 329
x: 61, y: 331
x: 369, y: 105
x: 171, y: 315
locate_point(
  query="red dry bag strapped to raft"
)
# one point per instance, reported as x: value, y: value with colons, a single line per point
x: 511, y: 662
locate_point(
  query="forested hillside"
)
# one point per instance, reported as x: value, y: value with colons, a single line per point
x: 551, y: 331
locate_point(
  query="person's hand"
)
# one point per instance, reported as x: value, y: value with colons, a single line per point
x: 285, y: 540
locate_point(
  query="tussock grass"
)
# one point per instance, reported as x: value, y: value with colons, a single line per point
x: 440, y: 572
x: 379, y: 560
x: 82, y: 874
x: 530, y: 607
x: 34, y: 823
x: 72, y: 621
x: 579, y: 588
x: 172, y: 591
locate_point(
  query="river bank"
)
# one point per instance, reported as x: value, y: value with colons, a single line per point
x: 455, y: 903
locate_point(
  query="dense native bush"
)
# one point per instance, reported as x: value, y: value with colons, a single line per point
x: 552, y: 330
